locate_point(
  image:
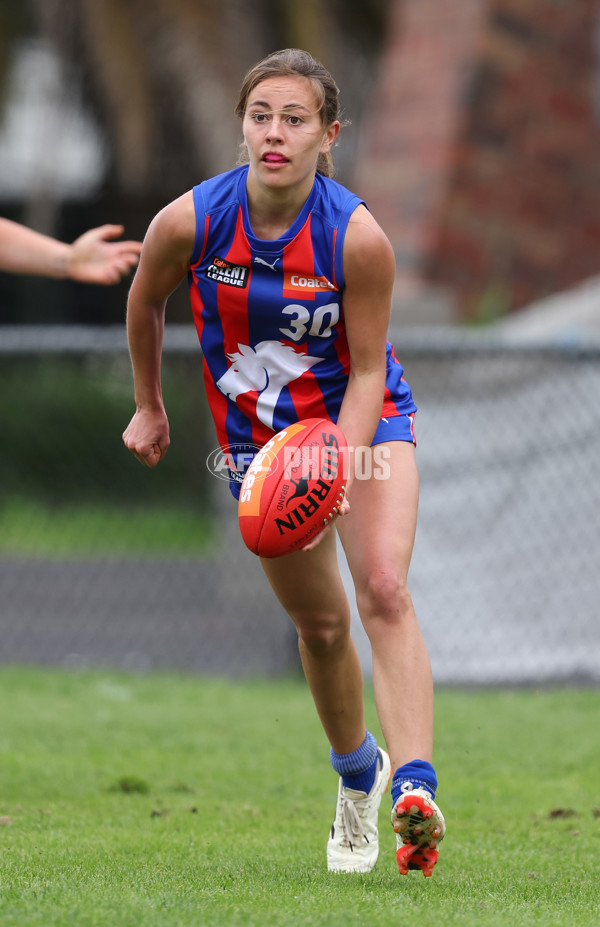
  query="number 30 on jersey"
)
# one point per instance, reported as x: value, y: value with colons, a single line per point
x: 302, y: 322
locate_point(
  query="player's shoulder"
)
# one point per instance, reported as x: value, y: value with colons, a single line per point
x: 176, y: 220
x: 220, y: 191
x: 172, y: 232
x: 333, y: 199
x: 365, y: 236
x: 367, y: 248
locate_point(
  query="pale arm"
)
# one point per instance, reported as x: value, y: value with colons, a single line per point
x: 91, y: 258
x: 369, y: 271
x: 163, y: 264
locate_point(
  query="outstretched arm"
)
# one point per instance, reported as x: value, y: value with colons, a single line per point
x: 91, y: 258
x: 163, y: 264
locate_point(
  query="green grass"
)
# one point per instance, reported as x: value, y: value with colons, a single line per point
x: 32, y: 528
x: 171, y: 800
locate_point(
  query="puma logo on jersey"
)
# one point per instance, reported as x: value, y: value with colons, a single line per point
x: 258, y: 260
x: 223, y: 271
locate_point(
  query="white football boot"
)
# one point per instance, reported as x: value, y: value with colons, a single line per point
x: 353, y: 844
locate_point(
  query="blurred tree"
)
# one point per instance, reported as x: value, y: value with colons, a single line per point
x: 161, y: 78
x: 14, y: 20
x: 163, y: 75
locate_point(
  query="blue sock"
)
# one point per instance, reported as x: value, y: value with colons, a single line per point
x: 357, y: 769
x: 419, y: 774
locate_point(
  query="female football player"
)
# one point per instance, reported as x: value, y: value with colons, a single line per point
x: 291, y: 280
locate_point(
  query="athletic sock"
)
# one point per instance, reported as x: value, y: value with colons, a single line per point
x: 416, y: 775
x: 357, y: 769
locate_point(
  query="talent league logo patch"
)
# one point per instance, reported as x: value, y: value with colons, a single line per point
x: 223, y: 271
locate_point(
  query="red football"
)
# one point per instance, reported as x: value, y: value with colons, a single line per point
x: 293, y: 487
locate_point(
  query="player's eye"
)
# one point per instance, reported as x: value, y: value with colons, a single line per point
x: 260, y: 117
x: 295, y: 120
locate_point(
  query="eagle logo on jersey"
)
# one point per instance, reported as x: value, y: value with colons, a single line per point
x: 267, y: 368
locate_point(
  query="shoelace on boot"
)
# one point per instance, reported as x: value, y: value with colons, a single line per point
x: 352, y: 823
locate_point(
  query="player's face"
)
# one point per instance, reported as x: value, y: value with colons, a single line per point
x: 284, y: 133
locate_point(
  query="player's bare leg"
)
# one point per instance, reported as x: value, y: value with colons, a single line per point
x: 309, y: 586
x: 378, y: 536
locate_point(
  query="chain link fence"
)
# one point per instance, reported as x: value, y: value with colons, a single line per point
x: 105, y: 562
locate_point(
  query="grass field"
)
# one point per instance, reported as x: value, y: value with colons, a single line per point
x: 170, y: 800
x: 35, y: 529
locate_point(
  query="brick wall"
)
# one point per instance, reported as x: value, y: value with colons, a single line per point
x: 480, y: 153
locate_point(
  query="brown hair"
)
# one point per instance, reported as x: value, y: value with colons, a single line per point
x: 293, y: 62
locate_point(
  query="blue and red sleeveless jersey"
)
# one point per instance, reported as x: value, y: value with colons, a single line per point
x: 269, y: 314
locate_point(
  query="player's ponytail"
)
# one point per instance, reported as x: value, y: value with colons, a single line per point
x: 293, y: 62
x: 325, y: 164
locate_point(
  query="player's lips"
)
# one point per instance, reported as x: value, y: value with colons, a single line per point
x: 274, y: 157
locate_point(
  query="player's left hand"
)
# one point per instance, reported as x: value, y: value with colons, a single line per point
x: 93, y: 258
x: 342, y: 509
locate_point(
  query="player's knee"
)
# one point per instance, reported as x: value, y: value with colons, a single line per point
x: 385, y: 597
x: 323, y: 637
